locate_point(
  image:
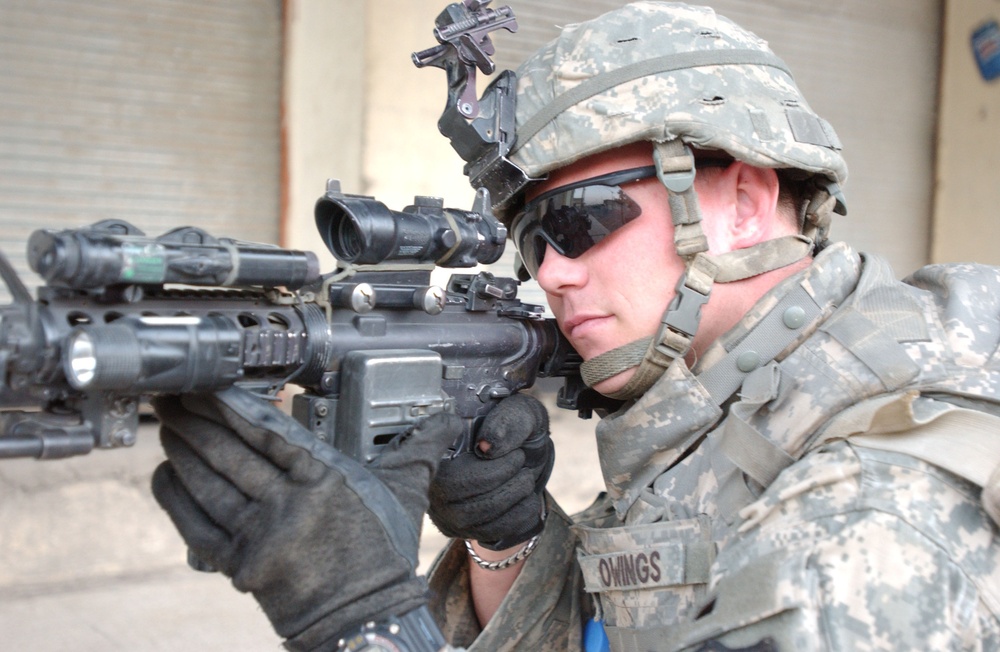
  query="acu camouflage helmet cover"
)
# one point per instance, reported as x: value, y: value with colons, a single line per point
x: 657, y: 71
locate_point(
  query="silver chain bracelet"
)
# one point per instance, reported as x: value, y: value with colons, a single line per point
x: 526, y: 550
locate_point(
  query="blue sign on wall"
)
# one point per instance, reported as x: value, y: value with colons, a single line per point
x: 986, y: 46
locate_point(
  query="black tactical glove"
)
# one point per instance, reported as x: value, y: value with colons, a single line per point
x: 496, y: 496
x: 322, y: 542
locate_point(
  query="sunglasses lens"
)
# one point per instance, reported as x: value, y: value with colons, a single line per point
x: 571, y: 221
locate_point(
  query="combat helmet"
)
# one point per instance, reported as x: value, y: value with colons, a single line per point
x: 682, y: 78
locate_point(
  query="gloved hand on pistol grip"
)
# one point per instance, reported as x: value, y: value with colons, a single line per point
x: 495, y: 494
x: 322, y: 542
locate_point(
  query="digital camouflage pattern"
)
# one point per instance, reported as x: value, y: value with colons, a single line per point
x: 738, y: 507
x: 847, y: 548
x: 753, y: 111
x: 679, y: 77
x: 546, y: 606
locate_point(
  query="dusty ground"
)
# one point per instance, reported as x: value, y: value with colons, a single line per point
x: 88, y: 561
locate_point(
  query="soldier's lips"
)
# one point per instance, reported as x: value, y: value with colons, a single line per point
x: 579, y: 327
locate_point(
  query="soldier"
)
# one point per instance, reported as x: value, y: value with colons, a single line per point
x: 805, y: 456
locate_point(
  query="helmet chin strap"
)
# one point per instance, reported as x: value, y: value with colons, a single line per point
x: 652, y: 355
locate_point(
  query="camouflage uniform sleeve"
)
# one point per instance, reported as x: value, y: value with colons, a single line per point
x: 545, y: 609
x: 857, y: 549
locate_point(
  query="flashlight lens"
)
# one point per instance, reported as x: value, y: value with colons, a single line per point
x: 82, y: 363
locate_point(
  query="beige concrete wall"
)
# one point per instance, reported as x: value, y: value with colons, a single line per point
x: 356, y: 109
x: 323, y: 109
x: 404, y: 155
x: 967, y: 206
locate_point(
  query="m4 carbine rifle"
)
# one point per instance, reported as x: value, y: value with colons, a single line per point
x: 375, y: 346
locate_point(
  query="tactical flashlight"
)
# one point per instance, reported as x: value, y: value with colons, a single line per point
x: 154, y: 354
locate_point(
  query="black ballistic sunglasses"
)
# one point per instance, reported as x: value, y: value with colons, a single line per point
x: 573, y: 218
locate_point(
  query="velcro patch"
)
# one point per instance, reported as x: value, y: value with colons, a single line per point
x: 669, y: 564
x: 810, y: 129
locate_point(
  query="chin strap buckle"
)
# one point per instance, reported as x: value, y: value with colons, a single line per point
x: 680, y: 321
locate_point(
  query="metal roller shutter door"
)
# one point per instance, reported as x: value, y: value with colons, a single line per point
x: 159, y: 112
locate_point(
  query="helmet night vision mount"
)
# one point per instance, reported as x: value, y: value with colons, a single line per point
x: 481, y: 130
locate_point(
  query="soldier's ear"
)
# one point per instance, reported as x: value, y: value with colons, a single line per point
x: 757, y: 204
x: 742, y: 204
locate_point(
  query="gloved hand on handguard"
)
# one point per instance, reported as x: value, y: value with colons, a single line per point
x: 322, y: 542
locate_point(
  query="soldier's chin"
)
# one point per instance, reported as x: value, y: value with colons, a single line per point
x: 611, y: 385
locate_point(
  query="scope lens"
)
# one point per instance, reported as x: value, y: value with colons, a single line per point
x: 81, y: 361
x: 349, y: 241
